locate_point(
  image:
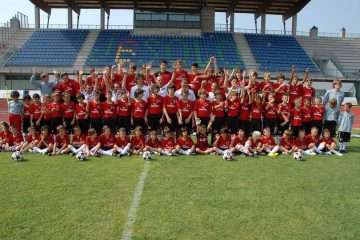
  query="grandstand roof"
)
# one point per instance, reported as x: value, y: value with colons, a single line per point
x: 281, y: 7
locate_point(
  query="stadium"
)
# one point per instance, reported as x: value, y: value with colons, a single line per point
x: 176, y: 127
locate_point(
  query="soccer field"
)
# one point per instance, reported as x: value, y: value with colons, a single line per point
x: 197, y: 197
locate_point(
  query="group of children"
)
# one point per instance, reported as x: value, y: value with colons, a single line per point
x: 120, y: 113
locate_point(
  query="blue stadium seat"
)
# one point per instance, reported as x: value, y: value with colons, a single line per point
x: 279, y: 53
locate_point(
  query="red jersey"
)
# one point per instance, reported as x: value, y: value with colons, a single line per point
x: 283, y: 110
x: 286, y: 143
x: 328, y: 141
x: 179, y: 75
x: 168, y: 143
x: 71, y: 86
x: 254, y: 144
x: 137, y: 142
x: 78, y: 141
x: 49, y: 139
x: 155, y: 104
x: 61, y: 140
x: 202, y: 141
x: 296, y: 117
x: 121, y: 142
x: 237, y: 140
x: 317, y: 112
x: 107, y: 142
x: 56, y: 110
x: 185, y: 143
x: 312, y: 140
x: 46, y: 111
x: 91, y: 142
x: 308, y: 93
x: 80, y: 110
x: 280, y: 90
x: 245, y: 112
x: 118, y: 77
x: 218, y: 108
x: 295, y: 91
x: 270, y: 111
x: 68, y: 110
x: 306, y: 113
x: 31, y: 138
x: 95, y: 110
x: 186, y: 107
x: 36, y: 110
x: 108, y: 110
x: 233, y: 107
x: 268, y: 141
x: 130, y: 81
x: 123, y: 107
x: 170, y: 104
x: 301, y: 143
x: 266, y: 87
x: 202, y: 108
x: 194, y: 81
x: 27, y: 111
x: 256, y: 111
x: 165, y: 76
x: 138, y: 108
x: 223, y: 143
x: 154, y: 143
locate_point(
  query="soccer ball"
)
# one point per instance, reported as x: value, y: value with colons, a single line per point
x: 298, y: 156
x: 227, y: 156
x: 17, y: 156
x: 146, y: 155
x: 81, y: 156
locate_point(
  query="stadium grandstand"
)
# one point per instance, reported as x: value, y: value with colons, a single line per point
x: 176, y: 29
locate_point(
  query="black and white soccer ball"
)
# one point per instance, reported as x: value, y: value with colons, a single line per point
x: 81, y: 156
x: 298, y: 156
x: 17, y: 156
x: 146, y: 155
x: 228, y: 155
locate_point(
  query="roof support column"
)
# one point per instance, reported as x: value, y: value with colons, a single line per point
x: 102, y: 18
x: 232, y: 19
x: 263, y: 23
x: 37, y: 17
x: 70, y: 18
x: 294, y: 25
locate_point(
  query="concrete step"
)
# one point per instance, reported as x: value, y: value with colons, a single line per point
x: 86, y: 49
x: 245, y: 51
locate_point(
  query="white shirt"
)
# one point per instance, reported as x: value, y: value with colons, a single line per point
x: 191, y: 93
x: 144, y: 88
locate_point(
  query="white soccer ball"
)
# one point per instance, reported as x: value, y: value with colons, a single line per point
x: 298, y: 156
x: 227, y: 155
x: 17, y: 156
x: 81, y: 156
x: 146, y: 155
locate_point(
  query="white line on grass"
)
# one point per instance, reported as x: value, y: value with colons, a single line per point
x: 128, y: 230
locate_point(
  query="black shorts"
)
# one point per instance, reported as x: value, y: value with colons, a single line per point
x: 154, y: 121
x: 139, y: 122
x: 255, y: 125
x: 124, y: 122
x: 111, y: 123
x: 282, y: 128
x: 233, y: 124
x: 97, y: 124
x: 318, y: 124
x: 245, y: 126
x: 83, y: 125
x: 26, y: 123
x: 331, y: 126
x: 219, y: 122
x: 271, y: 123
x: 69, y: 127
x: 55, y: 122
x: 344, y: 137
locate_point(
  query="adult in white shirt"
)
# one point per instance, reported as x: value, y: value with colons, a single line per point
x: 140, y: 85
x: 185, y: 89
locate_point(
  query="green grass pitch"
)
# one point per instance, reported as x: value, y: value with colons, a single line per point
x: 197, y: 197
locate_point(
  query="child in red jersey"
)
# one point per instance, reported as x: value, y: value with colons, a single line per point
x: 107, y: 142
x: 202, y: 109
x: 295, y: 89
x: 317, y: 111
x: 202, y: 143
x: 45, y: 143
x: 270, y: 113
x: 154, y: 109
x: 138, y: 110
x: 56, y: 112
x: 168, y: 143
x: 286, y: 143
x: 122, y: 143
x: 17, y: 140
x: 266, y: 86
x: 5, y: 135
x: 218, y: 112
x: 184, y: 143
x: 268, y: 143
x: 129, y: 78
x: 308, y: 91
x: 27, y: 112
x: 170, y: 109
x: 152, y: 143
x: 123, y: 111
x: 137, y: 141
x: 233, y: 108
x: 244, y: 117
x: 81, y: 114
x: 109, y: 112
x: 36, y: 111
x: 77, y: 141
x: 238, y: 143
x: 185, y: 111
x: 280, y: 88
x: 283, y: 113
x: 313, y: 140
x: 92, y: 143
x: 46, y: 116
x: 68, y: 110
x: 253, y: 144
x: 30, y: 140
x: 327, y: 144
x: 256, y: 112
x: 296, y: 117
x: 301, y: 144
x: 61, y: 143
x: 95, y: 112
x: 222, y: 141
x: 306, y: 114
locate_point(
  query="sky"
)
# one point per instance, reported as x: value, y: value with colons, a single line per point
x: 328, y: 15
